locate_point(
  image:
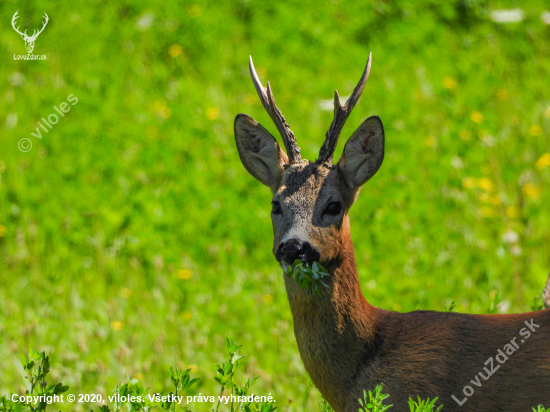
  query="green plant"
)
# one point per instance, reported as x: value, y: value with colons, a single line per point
x: 238, y: 399
x: 134, y: 396
x: 495, y: 299
x: 181, y: 381
x: 373, y: 401
x: 308, y: 277
x: 451, y: 307
x: 130, y: 393
x: 424, y: 405
x: 6, y: 404
x: 226, y: 371
x: 36, y: 367
x: 324, y: 406
x: 538, y: 304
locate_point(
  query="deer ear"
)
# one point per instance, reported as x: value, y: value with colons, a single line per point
x: 260, y: 153
x: 363, y: 153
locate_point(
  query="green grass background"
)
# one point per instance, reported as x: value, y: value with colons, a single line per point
x: 131, y: 237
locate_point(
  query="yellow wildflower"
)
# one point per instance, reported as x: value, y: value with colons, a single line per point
x: 186, y: 315
x: 476, y: 117
x: 469, y: 183
x: 543, y: 162
x: 212, y: 113
x: 175, y: 50
x: 449, y: 82
x: 512, y: 212
x: 116, y: 325
x: 267, y: 299
x: 535, y: 130
x: 3, y: 230
x: 161, y: 110
x: 486, y: 184
x: 139, y: 376
x: 531, y: 191
x: 487, y: 198
x: 194, y: 10
x: 184, y: 274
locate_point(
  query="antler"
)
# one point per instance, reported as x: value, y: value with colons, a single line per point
x: 15, y: 16
x: 341, y: 114
x: 34, y: 36
x: 266, y: 96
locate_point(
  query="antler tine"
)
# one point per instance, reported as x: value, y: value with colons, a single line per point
x: 45, y: 23
x: 268, y: 101
x: 37, y: 32
x: 341, y: 114
x: 13, y: 21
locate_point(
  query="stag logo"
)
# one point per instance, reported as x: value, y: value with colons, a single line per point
x: 29, y: 40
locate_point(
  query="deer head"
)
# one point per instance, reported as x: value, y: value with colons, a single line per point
x: 29, y: 40
x: 311, y: 200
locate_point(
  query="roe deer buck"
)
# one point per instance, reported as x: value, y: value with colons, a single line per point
x: 346, y: 344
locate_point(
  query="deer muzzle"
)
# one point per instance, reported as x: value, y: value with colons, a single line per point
x: 293, y: 249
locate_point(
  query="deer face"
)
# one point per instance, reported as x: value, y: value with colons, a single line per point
x: 307, y: 214
x: 310, y: 201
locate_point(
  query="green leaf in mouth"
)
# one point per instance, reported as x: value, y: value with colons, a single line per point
x: 308, y: 277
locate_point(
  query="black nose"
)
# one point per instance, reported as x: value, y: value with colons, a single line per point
x: 293, y: 249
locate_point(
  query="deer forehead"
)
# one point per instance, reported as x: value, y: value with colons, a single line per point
x: 304, y: 185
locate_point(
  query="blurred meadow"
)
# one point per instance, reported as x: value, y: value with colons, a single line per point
x: 132, y: 238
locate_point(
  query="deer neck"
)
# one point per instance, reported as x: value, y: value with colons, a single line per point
x: 335, y: 332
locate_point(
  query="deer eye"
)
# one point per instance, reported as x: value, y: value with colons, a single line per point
x: 276, y: 208
x: 333, y: 209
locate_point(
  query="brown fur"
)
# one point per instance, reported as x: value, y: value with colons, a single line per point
x: 347, y: 345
